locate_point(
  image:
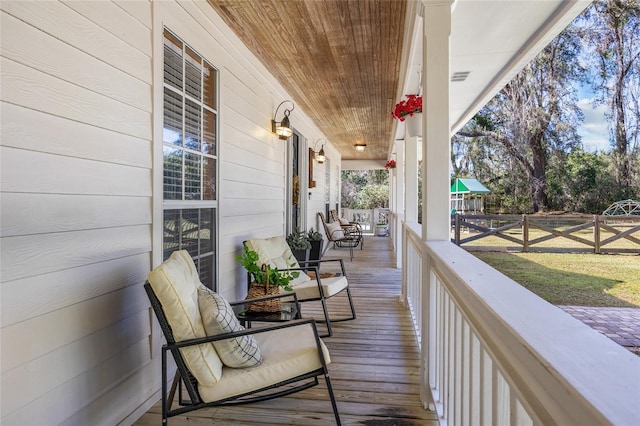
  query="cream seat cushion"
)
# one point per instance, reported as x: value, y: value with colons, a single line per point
x: 330, y: 286
x: 286, y: 353
x: 175, y: 283
x: 276, y: 252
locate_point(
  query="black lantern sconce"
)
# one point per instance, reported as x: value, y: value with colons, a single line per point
x: 282, y: 128
x: 320, y: 157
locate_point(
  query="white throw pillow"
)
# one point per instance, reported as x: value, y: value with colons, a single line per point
x: 335, y: 231
x: 218, y: 318
x: 343, y: 221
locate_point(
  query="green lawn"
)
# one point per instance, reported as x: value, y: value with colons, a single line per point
x: 573, y: 279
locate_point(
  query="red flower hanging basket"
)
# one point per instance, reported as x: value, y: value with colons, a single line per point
x: 412, y: 105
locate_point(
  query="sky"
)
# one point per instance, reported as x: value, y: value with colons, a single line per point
x: 593, y: 130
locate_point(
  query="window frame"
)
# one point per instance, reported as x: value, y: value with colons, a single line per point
x: 185, y: 206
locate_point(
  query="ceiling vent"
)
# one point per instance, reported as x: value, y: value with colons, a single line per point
x: 460, y: 76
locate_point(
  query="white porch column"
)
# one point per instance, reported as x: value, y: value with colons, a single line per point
x: 436, y: 143
x: 436, y: 148
x: 393, y: 190
x: 399, y: 202
x: 411, y: 178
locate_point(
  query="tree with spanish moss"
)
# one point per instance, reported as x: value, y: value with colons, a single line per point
x: 535, y: 114
x: 612, y: 32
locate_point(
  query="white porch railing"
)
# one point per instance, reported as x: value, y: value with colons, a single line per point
x: 367, y: 218
x: 495, y: 353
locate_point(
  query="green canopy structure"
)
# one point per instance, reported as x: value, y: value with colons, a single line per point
x: 467, y: 196
x: 623, y: 208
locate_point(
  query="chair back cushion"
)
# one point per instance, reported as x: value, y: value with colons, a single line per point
x: 335, y: 231
x: 175, y: 283
x: 218, y: 318
x: 276, y: 253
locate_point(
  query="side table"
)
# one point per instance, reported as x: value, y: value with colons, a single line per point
x: 288, y: 311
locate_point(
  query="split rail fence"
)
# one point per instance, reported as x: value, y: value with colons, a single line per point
x: 527, y: 233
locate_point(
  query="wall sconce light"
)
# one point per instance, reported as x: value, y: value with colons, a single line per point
x: 282, y: 128
x: 361, y: 147
x: 320, y: 157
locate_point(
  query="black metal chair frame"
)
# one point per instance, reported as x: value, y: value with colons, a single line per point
x: 352, y: 235
x: 305, y: 266
x: 184, y: 378
x: 351, y: 228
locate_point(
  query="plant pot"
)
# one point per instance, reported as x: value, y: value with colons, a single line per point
x: 414, y: 125
x: 301, y: 255
x: 260, y: 290
x: 316, y: 252
x: 381, y: 230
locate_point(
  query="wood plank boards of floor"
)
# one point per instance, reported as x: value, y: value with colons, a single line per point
x: 374, y: 366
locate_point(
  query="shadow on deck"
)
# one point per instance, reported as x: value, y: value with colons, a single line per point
x: 375, y: 360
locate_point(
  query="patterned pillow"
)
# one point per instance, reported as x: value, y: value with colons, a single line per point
x: 218, y: 318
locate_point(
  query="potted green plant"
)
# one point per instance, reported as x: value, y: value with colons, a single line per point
x: 259, y: 274
x: 381, y: 229
x: 299, y: 245
x: 264, y: 281
x: 317, y: 241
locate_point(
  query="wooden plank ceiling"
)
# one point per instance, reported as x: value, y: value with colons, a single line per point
x: 339, y: 60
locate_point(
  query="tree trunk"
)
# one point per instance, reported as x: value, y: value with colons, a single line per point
x: 538, y: 179
x: 621, y: 151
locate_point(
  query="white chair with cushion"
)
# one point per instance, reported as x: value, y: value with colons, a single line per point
x: 276, y: 253
x: 220, y: 363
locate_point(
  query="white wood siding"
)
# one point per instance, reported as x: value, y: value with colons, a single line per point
x: 76, y: 211
x: 81, y: 202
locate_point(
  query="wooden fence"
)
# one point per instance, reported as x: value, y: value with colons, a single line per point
x: 529, y: 232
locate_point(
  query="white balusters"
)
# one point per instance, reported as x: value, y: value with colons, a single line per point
x: 488, y: 358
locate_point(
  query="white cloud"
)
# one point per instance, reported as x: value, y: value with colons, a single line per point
x: 594, y: 132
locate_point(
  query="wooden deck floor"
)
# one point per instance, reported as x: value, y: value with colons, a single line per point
x: 374, y: 369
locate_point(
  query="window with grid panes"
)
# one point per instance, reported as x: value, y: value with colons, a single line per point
x: 189, y: 144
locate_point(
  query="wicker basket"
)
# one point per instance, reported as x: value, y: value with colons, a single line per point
x: 261, y: 290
